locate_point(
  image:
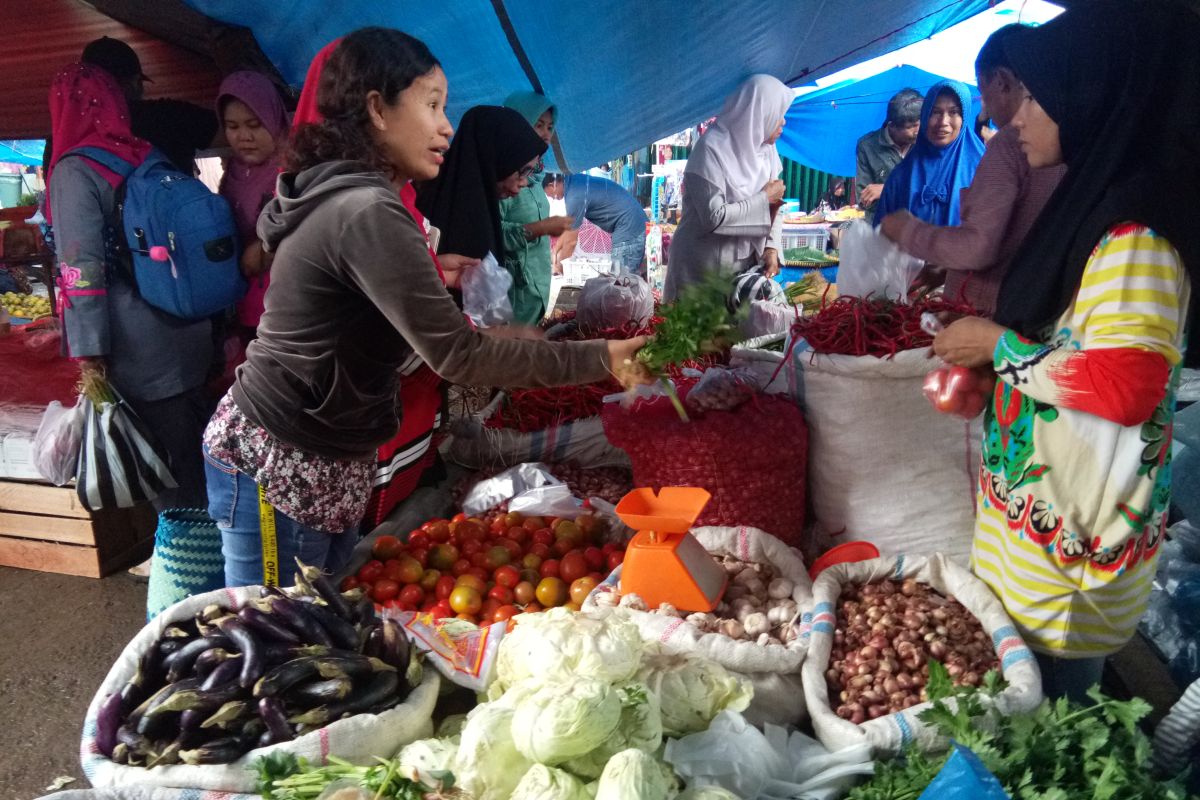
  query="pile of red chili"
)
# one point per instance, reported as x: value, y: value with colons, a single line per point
x: 869, y: 326
x: 529, y: 410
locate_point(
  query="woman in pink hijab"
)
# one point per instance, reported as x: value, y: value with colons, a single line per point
x: 256, y: 126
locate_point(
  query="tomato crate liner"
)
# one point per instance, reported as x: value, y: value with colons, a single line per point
x: 890, y: 734
x: 774, y: 671
x: 357, y: 739
x: 884, y: 465
x: 582, y: 442
x: 752, y: 460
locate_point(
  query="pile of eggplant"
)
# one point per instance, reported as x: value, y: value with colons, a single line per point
x: 228, y: 681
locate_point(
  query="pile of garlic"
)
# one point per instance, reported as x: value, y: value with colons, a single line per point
x: 757, y: 606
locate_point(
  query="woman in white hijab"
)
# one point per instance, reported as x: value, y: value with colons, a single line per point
x: 731, y: 190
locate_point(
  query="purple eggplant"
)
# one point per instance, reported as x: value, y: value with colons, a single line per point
x: 340, y: 631
x: 270, y: 709
x: 207, y: 661
x: 381, y: 688
x: 108, y: 720
x: 267, y: 626
x: 248, y: 644
x: 293, y: 614
x: 325, y: 588
x: 179, y: 664
x: 332, y: 690
x: 218, y: 751
x: 225, y: 672
x: 396, y: 648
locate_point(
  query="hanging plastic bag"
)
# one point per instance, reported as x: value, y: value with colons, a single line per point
x: 120, y: 465
x: 612, y: 301
x: 485, y: 293
x: 871, y: 265
x: 722, y: 389
x: 753, y: 284
x: 56, y: 445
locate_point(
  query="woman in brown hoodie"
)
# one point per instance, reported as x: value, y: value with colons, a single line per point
x: 354, y: 294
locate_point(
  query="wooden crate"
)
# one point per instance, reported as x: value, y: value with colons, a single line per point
x: 44, y: 527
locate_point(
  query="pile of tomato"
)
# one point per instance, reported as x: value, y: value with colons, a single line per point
x: 489, y: 569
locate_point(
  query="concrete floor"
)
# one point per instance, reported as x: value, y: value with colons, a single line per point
x: 59, y: 635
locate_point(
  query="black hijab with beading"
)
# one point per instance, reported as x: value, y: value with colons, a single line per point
x: 490, y: 144
x: 1122, y: 81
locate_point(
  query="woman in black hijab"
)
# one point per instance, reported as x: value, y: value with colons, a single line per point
x: 484, y: 164
x: 1091, y: 327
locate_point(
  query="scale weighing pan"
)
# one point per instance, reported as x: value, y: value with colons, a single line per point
x: 663, y: 562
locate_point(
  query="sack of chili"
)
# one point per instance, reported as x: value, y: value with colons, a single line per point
x: 752, y: 460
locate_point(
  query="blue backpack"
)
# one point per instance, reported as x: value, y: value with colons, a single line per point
x: 181, y: 236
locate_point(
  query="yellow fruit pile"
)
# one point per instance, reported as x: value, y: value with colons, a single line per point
x: 27, y: 306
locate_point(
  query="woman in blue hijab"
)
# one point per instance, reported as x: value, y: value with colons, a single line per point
x: 941, y: 163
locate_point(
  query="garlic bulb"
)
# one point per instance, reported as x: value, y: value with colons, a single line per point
x: 634, y: 603
x: 705, y: 622
x: 606, y: 599
x: 756, y: 624
x: 780, y: 589
x: 781, y: 611
x: 755, y: 587
x: 731, y: 628
x: 668, y: 610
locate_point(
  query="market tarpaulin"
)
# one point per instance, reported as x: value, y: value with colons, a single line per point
x: 14, y: 153
x: 823, y: 126
x: 622, y: 73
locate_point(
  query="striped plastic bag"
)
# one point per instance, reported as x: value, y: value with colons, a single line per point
x: 120, y: 464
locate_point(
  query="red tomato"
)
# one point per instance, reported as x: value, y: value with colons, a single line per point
x: 429, y: 580
x: 540, y: 550
x: 615, y: 559
x: 598, y: 577
x: 391, y: 570
x: 523, y: 592
x: 445, y: 585
x: 385, y: 547
x: 497, y: 556
x: 468, y: 530
x: 549, y: 568
x: 563, y: 546
x: 370, y: 571
x: 531, y: 608
x: 581, y: 588
x: 467, y: 618
x: 410, y: 570
x: 496, y: 526
x: 438, y: 530
x: 384, y: 589
x: 412, y: 594
x: 608, y: 548
x: 471, y: 546
x: 490, y: 605
x: 501, y: 593
x: 427, y: 606
x: 572, y: 567
x: 465, y: 600
x: 420, y: 555
x: 443, y: 556
x: 532, y: 524
x: 479, y: 560
x: 349, y: 582
x: 394, y: 603
x: 517, y: 534
x: 474, y: 582
x: 441, y: 610
x: 460, y: 567
x: 531, y: 561
x: 594, y: 557
x: 515, y: 551
x: 543, y: 536
x: 505, y: 612
x: 507, y: 576
x: 459, y: 517
x: 419, y: 540
x: 514, y: 519
x: 480, y: 573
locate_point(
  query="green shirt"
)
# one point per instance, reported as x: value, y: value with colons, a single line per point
x: 527, y: 261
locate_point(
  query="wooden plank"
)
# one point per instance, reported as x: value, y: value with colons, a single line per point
x: 40, y: 498
x: 53, y: 529
x: 65, y: 559
x: 136, y: 553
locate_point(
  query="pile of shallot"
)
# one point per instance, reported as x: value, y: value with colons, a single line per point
x: 887, y: 632
x: 758, y: 606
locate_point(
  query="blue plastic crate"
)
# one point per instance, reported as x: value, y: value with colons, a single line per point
x: 792, y: 274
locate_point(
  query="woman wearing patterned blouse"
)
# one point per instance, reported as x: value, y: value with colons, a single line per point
x: 1091, y: 328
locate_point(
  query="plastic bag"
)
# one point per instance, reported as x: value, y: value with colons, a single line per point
x: 487, y: 494
x: 485, y: 293
x: 120, y: 463
x: 56, y: 445
x: 958, y: 390
x: 767, y: 318
x: 766, y: 764
x: 613, y: 301
x: 753, y: 284
x: 964, y: 777
x: 872, y: 265
x: 722, y: 389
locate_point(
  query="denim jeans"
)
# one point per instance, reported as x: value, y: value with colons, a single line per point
x: 233, y: 505
x: 630, y: 255
x: 1069, y: 677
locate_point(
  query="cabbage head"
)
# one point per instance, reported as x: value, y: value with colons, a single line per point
x: 559, y: 645
x: 692, y: 690
x: 640, y: 727
x: 564, y: 720
x: 429, y: 756
x: 488, y: 764
x: 635, y: 773
x: 547, y: 783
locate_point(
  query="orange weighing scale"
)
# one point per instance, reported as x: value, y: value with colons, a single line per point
x: 663, y: 562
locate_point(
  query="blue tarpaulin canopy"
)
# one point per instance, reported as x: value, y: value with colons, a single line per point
x: 12, y: 152
x: 824, y: 125
x: 622, y: 73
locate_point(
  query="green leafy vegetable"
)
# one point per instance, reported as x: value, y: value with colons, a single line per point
x: 282, y: 776
x: 1058, y: 751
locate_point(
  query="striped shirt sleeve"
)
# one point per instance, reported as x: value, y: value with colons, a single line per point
x: 1113, y: 355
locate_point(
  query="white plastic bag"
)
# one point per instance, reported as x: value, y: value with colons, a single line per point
x: 872, y: 265
x: 890, y: 734
x: 485, y: 293
x: 610, y: 301
x: 56, y: 445
x: 766, y: 764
